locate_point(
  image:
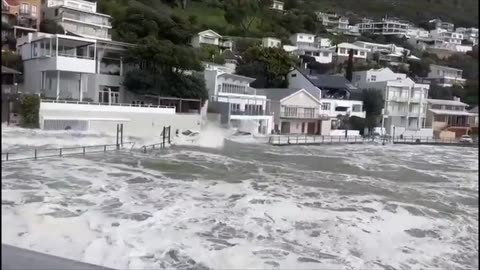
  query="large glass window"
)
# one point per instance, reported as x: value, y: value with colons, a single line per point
x: 25, y: 9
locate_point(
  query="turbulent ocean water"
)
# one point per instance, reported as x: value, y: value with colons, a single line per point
x: 244, y: 205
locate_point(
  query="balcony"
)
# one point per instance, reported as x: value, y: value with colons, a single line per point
x: 90, y: 18
x: 301, y: 113
x: 250, y: 112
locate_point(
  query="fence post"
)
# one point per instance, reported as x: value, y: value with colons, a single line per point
x: 105, y: 148
x: 121, y: 134
x: 35, y: 154
x: 6, y: 156
x: 84, y: 150
x: 169, y: 130
x: 163, y: 137
x: 144, y: 149
x: 60, y: 152
x: 118, y: 131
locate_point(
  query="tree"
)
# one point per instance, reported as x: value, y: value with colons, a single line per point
x: 291, y: 4
x: 211, y: 53
x: 51, y: 27
x: 372, y: 104
x: 419, y: 68
x: 268, y: 65
x: 241, y: 13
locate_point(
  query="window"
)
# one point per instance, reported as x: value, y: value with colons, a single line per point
x: 362, y: 53
x: 56, y: 12
x: 325, y: 54
x: 25, y: 9
x: 234, y: 107
x: 34, y: 11
x: 309, y: 112
x: 301, y: 37
x: 373, y: 78
x: 342, y: 50
x: 325, y: 106
x: 310, y: 38
x: 293, y: 75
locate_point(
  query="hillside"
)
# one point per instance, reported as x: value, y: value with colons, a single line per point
x: 459, y: 12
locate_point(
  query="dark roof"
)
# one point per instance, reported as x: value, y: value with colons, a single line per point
x: 277, y: 94
x: 474, y: 110
x: 7, y: 70
x: 328, y: 81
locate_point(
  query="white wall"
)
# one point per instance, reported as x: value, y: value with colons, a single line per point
x: 303, y: 38
x: 271, y: 42
x: 341, y: 132
x: 139, y: 121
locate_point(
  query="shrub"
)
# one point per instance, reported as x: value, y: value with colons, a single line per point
x: 29, y: 110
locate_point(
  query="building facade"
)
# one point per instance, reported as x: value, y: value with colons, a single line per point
x: 341, y: 52
x: 67, y: 67
x: 445, y: 76
x: 448, y: 118
x: 270, y: 42
x: 405, y: 102
x: 387, y: 26
x: 212, y: 38
x: 333, y: 21
x: 19, y: 17
x: 79, y: 17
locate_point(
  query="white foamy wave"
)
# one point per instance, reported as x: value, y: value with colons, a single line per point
x: 211, y: 136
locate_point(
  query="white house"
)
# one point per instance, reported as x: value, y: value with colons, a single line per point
x: 68, y: 67
x: 405, y: 101
x: 387, y: 26
x: 303, y: 39
x: 333, y: 21
x: 79, y: 17
x: 441, y: 24
x: 416, y: 32
x: 270, y: 42
x: 210, y: 37
x: 445, y: 76
x: 237, y: 102
x: 341, y: 52
x: 447, y: 36
x: 323, y: 43
x: 277, y: 5
x: 333, y: 92
x: 296, y: 111
x: 390, y: 53
x: 470, y: 34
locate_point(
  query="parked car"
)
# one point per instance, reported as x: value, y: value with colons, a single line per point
x: 466, y: 139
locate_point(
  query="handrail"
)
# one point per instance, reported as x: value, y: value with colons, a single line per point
x: 106, y: 104
x: 60, y: 152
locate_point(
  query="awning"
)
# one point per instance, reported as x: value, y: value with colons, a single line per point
x: 451, y: 112
x: 7, y: 70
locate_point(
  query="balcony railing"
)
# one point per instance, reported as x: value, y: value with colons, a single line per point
x: 250, y: 112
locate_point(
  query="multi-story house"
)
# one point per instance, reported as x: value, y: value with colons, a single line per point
x: 416, y: 32
x: 341, y: 52
x: 447, y: 36
x: 238, y: 104
x: 68, y: 67
x: 21, y: 17
x: 296, y: 111
x: 79, y: 17
x: 333, y: 92
x: 307, y: 44
x: 270, y: 42
x: 387, y: 53
x: 333, y: 21
x: 470, y: 34
x: 323, y: 43
x: 445, y: 76
x: 387, y: 26
x: 444, y: 25
x: 448, y: 118
x: 210, y: 37
x: 405, y: 101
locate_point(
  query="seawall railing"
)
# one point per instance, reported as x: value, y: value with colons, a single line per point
x: 433, y: 141
x: 40, y: 153
x: 166, y: 138
x: 302, y: 139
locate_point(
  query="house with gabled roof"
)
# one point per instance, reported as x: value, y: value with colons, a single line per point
x: 296, y: 111
x: 210, y: 37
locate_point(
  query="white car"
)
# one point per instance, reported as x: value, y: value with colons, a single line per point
x: 466, y: 139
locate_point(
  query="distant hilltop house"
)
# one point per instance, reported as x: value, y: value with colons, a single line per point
x: 277, y: 5
x: 341, y: 52
x: 210, y: 37
x: 271, y: 42
x: 333, y: 21
x: 387, y: 26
